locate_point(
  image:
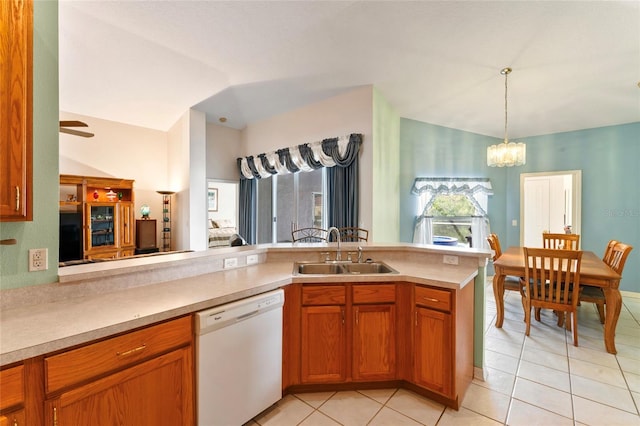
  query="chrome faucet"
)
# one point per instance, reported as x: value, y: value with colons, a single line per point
x: 338, y: 253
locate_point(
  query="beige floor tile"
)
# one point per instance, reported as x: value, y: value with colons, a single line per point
x: 626, y: 339
x: 633, y: 381
x: 600, y: 373
x: 548, y: 359
x: 501, y: 362
x: 288, y: 411
x: 603, y: 393
x: 389, y: 417
x: 541, y: 343
x: 629, y: 365
x: 319, y: 419
x: 380, y: 395
x: 592, y: 355
x: 497, y: 380
x: 595, y: 414
x: 544, y: 375
x: 486, y: 402
x: 627, y: 351
x: 417, y: 407
x: 315, y: 399
x: 505, y: 334
x: 504, y: 347
x: 636, y: 398
x: 543, y: 397
x: 350, y: 408
x: 629, y: 328
x: 523, y: 414
x: 464, y: 417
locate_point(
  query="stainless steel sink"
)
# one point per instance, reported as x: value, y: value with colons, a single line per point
x: 314, y: 268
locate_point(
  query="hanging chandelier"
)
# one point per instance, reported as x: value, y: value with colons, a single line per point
x: 506, y: 154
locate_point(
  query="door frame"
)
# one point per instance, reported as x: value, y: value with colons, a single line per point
x: 576, y: 198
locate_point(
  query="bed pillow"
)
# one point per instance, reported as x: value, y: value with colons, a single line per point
x: 222, y: 223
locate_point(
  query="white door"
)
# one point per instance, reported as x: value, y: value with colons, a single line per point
x: 549, y: 202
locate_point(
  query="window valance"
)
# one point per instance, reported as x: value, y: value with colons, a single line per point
x: 340, y: 151
x: 477, y: 189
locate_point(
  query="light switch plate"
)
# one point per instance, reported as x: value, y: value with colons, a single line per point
x: 252, y: 259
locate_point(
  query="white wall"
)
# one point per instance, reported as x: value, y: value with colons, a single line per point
x: 223, y: 148
x: 340, y: 115
x: 122, y: 151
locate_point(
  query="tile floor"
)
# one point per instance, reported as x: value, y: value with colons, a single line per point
x: 542, y: 379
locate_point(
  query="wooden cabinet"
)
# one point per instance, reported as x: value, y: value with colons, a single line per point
x: 142, y: 377
x: 108, y: 215
x: 16, y: 93
x: 348, y: 335
x: 323, y: 334
x: 374, y: 332
x: 443, y: 341
x: 12, y: 391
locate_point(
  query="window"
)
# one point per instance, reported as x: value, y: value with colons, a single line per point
x: 298, y: 201
x: 452, y: 208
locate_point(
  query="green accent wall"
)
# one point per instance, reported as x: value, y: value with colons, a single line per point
x: 385, y: 188
x: 42, y: 232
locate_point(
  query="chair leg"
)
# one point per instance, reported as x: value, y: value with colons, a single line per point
x: 527, y: 318
x: 560, y: 316
x: 537, y: 310
x: 574, y: 320
x: 600, y: 307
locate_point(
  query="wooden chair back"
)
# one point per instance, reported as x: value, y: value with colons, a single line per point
x: 618, y: 256
x: 494, y: 244
x: 608, y: 251
x: 353, y: 234
x: 552, y: 281
x: 309, y: 235
x: 560, y: 241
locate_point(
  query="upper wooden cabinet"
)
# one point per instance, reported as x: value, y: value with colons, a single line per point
x: 16, y: 94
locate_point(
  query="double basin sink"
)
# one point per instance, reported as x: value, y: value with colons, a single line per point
x: 341, y: 268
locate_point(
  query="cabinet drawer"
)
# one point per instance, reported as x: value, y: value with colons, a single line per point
x: 102, y: 357
x: 12, y: 386
x: 374, y: 293
x: 433, y: 298
x: 323, y: 295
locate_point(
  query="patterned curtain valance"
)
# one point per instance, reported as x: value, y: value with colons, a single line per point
x: 302, y: 158
x: 477, y: 189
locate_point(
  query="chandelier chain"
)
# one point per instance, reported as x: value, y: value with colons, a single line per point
x: 506, y: 75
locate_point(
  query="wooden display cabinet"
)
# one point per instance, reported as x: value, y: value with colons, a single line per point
x: 108, y: 217
x: 16, y: 110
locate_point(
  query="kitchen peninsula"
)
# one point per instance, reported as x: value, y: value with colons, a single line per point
x: 94, y: 304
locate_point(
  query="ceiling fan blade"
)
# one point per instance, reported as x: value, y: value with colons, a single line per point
x: 76, y: 132
x: 73, y: 123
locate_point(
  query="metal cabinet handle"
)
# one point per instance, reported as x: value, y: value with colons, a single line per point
x: 131, y: 351
x: 55, y: 416
x: 356, y: 316
x: 430, y: 299
x: 17, y: 198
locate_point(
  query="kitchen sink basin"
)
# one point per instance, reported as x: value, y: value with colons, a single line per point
x: 306, y: 268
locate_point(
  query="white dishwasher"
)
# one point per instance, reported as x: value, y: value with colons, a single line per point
x: 239, y: 359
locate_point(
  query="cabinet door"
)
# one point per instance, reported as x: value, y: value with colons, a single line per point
x: 16, y: 63
x: 125, y: 223
x: 13, y: 419
x: 100, y: 226
x: 374, y: 342
x: 156, y: 392
x: 323, y: 344
x: 433, y: 350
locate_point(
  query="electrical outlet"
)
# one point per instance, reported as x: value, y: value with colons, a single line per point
x: 450, y: 260
x: 231, y: 262
x: 38, y: 259
x: 252, y: 259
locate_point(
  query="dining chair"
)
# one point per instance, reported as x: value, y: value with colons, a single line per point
x: 511, y: 282
x: 309, y: 235
x: 615, y: 256
x: 552, y: 281
x: 560, y: 241
x: 353, y: 234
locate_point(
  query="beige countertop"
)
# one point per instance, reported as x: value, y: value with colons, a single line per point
x: 35, y: 329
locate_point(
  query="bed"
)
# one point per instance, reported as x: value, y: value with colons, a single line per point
x: 220, y: 232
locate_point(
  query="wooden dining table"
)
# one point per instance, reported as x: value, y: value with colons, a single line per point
x: 593, y: 271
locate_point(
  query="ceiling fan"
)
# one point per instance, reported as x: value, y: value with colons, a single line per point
x: 64, y: 128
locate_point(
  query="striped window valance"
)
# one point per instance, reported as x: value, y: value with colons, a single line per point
x: 340, y: 151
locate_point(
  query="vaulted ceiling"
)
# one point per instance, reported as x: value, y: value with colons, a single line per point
x: 575, y: 64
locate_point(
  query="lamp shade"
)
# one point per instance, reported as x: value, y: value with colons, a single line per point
x: 507, y: 154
